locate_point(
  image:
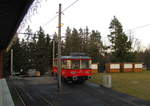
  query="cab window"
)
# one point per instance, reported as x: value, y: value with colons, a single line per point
x: 85, y: 64
x: 75, y: 64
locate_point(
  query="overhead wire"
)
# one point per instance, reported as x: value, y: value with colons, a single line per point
x: 62, y: 11
x: 70, y: 5
x: 50, y: 20
x: 138, y: 27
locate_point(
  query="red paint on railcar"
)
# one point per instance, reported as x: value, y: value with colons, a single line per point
x: 82, y: 70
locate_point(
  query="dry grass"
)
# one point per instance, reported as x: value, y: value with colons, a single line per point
x: 135, y: 84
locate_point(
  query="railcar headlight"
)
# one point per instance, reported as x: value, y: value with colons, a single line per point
x: 87, y: 72
x: 63, y: 73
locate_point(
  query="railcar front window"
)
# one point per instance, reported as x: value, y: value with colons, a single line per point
x: 75, y: 64
x: 85, y: 64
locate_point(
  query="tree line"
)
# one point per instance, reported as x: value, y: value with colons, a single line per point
x: 34, y: 51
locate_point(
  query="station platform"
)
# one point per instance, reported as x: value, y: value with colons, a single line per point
x: 5, y: 96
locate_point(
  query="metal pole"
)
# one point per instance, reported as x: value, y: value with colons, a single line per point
x: 53, y: 51
x: 59, y: 49
x: 11, y: 64
x: 52, y: 73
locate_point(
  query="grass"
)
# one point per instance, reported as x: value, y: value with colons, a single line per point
x: 136, y: 83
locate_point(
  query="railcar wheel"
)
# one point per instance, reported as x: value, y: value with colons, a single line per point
x: 79, y: 81
x: 67, y: 80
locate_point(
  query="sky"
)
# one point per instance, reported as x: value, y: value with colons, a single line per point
x: 97, y: 15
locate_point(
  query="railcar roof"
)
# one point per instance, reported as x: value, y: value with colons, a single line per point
x: 76, y: 57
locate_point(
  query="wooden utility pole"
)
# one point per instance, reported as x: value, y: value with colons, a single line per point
x: 59, y: 48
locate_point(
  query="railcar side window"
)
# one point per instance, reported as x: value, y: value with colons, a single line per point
x: 69, y: 64
x: 64, y: 64
x: 75, y: 64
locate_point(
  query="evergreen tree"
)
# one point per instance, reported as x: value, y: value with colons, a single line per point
x: 73, y: 41
x: 43, y: 51
x: 76, y: 41
x: 28, y: 34
x: 48, y: 52
x: 67, y: 48
x: 32, y: 52
x: 120, y: 44
x: 95, y: 47
x: 55, y: 40
x: 17, y: 56
x: 84, y: 39
x: 24, y: 56
x: 146, y: 57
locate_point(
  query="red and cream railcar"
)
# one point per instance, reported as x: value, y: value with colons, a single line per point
x: 75, y: 68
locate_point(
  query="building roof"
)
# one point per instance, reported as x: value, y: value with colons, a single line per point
x: 12, y: 13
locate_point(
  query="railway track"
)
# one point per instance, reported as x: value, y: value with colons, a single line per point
x: 105, y: 98
x: 28, y: 98
x: 20, y: 97
x: 83, y: 94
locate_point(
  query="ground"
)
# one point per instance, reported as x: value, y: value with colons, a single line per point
x: 134, y: 83
x: 42, y: 91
